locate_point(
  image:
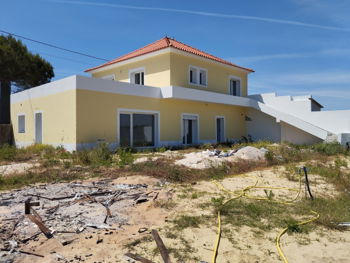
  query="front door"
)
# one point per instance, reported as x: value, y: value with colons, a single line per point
x: 38, y: 127
x: 220, y: 130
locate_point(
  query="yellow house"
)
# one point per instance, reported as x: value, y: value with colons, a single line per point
x: 164, y: 94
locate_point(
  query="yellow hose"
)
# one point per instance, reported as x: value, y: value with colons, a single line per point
x: 243, y: 192
x: 217, y: 239
x: 284, y: 230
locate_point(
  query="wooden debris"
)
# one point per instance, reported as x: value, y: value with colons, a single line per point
x: 35, y: 218
x: 41, y: 226
x: 162, y: 249
x: 24, y: 252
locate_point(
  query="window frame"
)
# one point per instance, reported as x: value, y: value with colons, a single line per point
x: 232, y: 77
x: 156, y: 135
x: 24, y: 123
x: 224, y: 128
x: 134, y: 71
x: 192, y: 116
x: 197, y: 76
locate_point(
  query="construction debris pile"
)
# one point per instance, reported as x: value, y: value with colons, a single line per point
x: 63, y: 210
x: 215, y: 158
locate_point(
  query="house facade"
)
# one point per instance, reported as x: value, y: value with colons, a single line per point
x: 164, y: 94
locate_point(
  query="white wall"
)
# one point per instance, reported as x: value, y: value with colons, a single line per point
x: 296, y: 136
x: 336, y: 122
x: 262, y: 126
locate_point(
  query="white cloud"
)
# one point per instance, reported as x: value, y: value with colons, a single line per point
x: 331, y: 93
x: 319, y: 78
x: 200, y: 13
x: 327, y: 52
x: 324, y: 84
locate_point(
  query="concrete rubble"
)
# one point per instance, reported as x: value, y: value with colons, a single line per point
x: 215, y: 158
x: 66, y: 209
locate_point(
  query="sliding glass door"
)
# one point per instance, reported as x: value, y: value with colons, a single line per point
x: 137, y: 130
x: 143, y: 130
x: 124, y: 130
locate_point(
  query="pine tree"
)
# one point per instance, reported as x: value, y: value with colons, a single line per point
x: 22, y: 69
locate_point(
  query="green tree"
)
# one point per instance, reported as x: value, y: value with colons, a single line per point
x: 21, y: 68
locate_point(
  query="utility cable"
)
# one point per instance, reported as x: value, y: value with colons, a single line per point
x: 53, y: 46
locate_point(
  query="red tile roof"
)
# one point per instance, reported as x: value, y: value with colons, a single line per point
x: 165, y: 43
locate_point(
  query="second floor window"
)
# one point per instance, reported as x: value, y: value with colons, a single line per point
x: 235, y: 87
x: 198, y: 76
x: 137, y: 77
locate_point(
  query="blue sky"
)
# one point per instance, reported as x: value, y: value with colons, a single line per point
x: 295, y: 46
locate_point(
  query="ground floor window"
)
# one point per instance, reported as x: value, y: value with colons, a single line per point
x: 189, y: 129
x: 21, y: 123
x: 137, y: 129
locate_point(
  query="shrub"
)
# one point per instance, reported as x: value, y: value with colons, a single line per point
x: 125, y: 157
x: 40, y: 149
x: 99, y: 156
x: 332, y: 148
x: 8, y: 153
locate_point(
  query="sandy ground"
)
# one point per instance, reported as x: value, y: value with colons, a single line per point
x: 318, y: 246
x: 17, y: 168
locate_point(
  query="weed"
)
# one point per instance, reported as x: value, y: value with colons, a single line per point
x: 165, y: 204
x: 340, y: 163
x: 125, y: 157
x: 131, y: 245
x: 8, y: 153
x: 47, y: 176
x: 99, y: 156
x: 292, y: 225
x: 329, y: 148
x: 269, y: 194
x: 161, y: 149
x: 185, y: 221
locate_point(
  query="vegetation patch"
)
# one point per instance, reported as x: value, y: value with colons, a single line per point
x: 185, y: 221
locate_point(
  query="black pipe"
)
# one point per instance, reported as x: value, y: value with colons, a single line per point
x: 307, y: 182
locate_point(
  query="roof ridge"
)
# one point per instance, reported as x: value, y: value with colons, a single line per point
x: 111, y: 61
x: 166, y: 42
x: 206, y: 53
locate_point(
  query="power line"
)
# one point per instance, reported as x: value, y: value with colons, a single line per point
x: 59, y: 57
x: 53, y: 46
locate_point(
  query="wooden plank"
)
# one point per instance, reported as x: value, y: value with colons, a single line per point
x: 162, y: 249
x: 24, y: 252
x: 138, y: 258
x: 41, y: 226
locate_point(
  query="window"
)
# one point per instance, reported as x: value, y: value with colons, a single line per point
x: 193, y: 75
x: 198, y: 76
x: 202, y: 77
x: 109, y: 77
x: 21, y: 124
x: 137, y: 129
x: 235, y: 87
x: 143, y: 130
x: 137, y: 76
